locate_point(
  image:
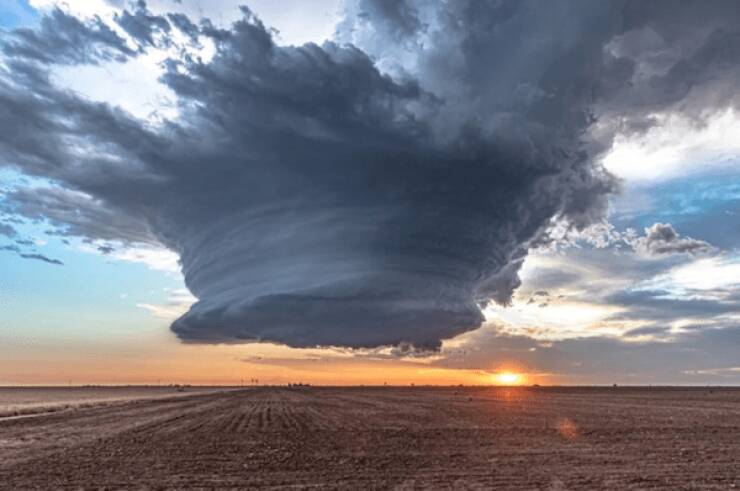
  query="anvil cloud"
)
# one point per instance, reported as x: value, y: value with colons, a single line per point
x: 376, y: 190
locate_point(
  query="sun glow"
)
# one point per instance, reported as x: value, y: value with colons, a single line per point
x: 508, y: 378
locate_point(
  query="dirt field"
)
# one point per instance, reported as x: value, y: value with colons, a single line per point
x: 400, y: 438
x: 21, y: 401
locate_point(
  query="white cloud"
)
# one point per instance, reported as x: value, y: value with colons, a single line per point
x: 159, y: 259
x: 156, y: 258
x: 81, y: 8
x: 676, y: 146
x: 703, y: 275
x: 298, y: 21
x: 178, y: 302
x: 560, y: 319
x: 588, y: 292
x: 549, y: 312
x: 132, y: 86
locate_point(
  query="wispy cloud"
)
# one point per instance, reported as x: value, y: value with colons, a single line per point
x: 178, y: 302
x: 41, y: 257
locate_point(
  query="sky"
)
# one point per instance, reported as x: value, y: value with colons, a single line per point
x: 369, y: 192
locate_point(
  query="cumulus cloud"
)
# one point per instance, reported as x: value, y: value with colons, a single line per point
x: 364, y: 194
x: 662, y: 238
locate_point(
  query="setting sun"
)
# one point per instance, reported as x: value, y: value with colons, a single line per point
x: 508, y: 378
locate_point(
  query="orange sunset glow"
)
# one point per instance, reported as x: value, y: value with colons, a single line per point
x: 509, y: 378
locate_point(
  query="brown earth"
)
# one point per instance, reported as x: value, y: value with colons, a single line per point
x: 23, y: 401
x: 399, y: 438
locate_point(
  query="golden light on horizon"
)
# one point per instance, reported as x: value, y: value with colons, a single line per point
x: 508, y: 378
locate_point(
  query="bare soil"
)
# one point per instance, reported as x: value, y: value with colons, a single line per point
x: 23, y: 401
x: 397, y: 438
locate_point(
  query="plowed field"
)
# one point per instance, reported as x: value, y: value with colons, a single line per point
x: 399, y: 438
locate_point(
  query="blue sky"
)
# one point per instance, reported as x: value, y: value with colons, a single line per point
x: 701, y: 206
x: 16, y: 13
x: 89, y: 294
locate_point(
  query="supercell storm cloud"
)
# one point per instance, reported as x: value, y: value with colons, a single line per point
x: 375, y: 190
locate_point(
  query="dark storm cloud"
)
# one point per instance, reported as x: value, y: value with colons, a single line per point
x: 142, y: 25
x: 62, y: 38
x: 383, y: 218
x: 683, y: 59
x: 184, y: 25
x: 399, y: 17
x: 338, y: 194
